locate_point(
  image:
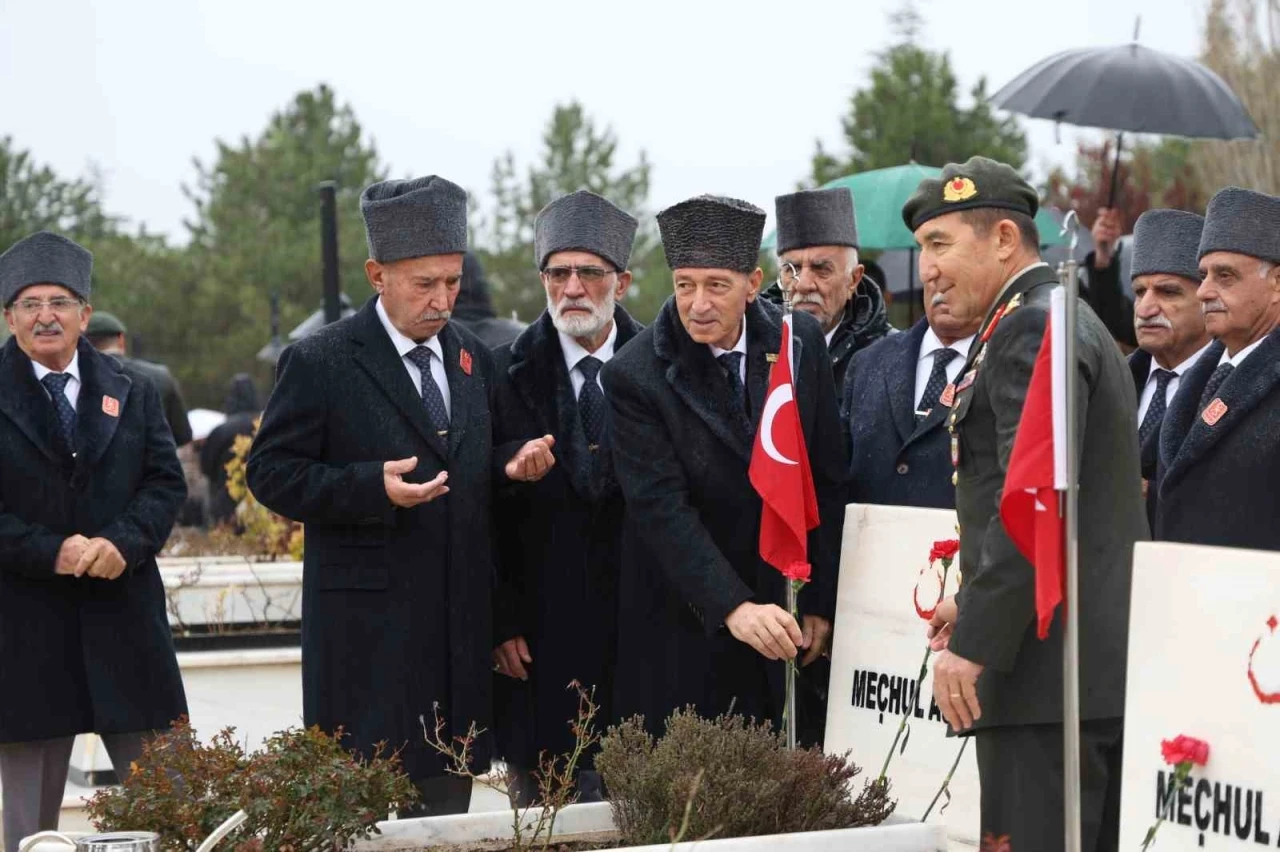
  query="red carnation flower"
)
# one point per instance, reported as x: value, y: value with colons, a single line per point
x: 1183, y: 749
x: 945, y: 549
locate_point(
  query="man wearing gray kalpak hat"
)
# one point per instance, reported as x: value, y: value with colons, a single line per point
x: 90, y: 486
x: 1167, y: 320
x: 378, y: 437
x: 817, y: 245
x: 559, y: 539
x: 703, y: 623
x: 1218, y: 454
x: 994, y: 677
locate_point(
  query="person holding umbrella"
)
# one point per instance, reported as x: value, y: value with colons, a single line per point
x: 993, y: 678
x: 1103, y: 292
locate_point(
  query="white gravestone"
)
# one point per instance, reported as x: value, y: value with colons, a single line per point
x: 1204, y: 661
x: 875, y: 661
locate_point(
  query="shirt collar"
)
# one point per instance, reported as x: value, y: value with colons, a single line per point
x: 403, y: 344
x: 1239, y: 357
x: 1184, y: 366
x: 575, y: 351
x: 740, y: 346
x: 73, y: 369
x: 931, y: 344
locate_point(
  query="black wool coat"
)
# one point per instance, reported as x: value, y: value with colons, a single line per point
x: 996, y: 625
x: 681, y: 449
x: 560, y: 541
x: 893, y: 461
x: 396, y: 603
x: 1216, y: 483
x: 84, y: 654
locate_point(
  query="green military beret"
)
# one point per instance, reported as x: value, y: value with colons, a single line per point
x: 978, y: 183
x: 103, y: 323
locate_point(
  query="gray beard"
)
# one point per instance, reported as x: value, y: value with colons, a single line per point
x: 582, y: 326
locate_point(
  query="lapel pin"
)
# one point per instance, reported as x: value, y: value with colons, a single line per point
x: 771, y: 357
x: 110, y: 406
x: 948, y: 395
x: 1213, y: 411
x: 464, y: 361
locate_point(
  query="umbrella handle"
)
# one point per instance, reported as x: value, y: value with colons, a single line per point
x: 1115, y: 173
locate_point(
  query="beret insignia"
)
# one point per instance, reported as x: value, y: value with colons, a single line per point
x: 959, y: 189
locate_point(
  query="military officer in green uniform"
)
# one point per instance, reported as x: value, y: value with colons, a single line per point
x: 993, y: 679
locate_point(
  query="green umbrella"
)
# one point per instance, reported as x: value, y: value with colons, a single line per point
x: 878, y: 199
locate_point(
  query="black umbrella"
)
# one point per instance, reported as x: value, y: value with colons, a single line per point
x: 1129, y: 88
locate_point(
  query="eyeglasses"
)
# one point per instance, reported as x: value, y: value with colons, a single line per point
x: 586, y: 274
x: 789, y: 273
x: 58, y: 304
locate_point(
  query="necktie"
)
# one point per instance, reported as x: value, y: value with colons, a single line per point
x: 432, y: 399
x: 56, y: 385
x: 1155, y: 410
x: 731, y: 361
x: 591, y: 400
x: 937, y: 381
x: 1215, y: 381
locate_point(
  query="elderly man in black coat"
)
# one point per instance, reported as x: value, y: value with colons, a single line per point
x: 560, y: 539
x: 897, y: 396
x: 817, y: 248
x: 90, y: 486
x: 378, y: 437
x: 701, y: 623
x: 1168, y: 323
x: 1218, y: 454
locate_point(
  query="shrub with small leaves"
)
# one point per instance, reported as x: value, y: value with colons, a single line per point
x: 302, y: 791
x: 727, y: 777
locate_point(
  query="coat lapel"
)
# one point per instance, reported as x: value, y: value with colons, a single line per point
x: 764, y: 339
x: 377, y: 356
x: 1182, y: 409
x: 467, y: 391
x: 697, y: 379
x: 25, y: 402
x: 1140, y: 366
x: 900, y: 382
x: 1244, y: 389
x: 101, y: 382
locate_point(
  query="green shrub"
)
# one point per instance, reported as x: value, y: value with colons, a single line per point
x: 727, y: 777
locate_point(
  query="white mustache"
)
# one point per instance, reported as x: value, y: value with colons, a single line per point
x: 1156, y: 322
x: 571, y: 304
x: 1211, y: 307
x: 434, y: 316
x: 50, y: 326
x: 806, y: 299
x: 937, y: 299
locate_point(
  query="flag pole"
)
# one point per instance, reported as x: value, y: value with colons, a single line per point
x: 789, y: 711
x: 1070, y: 510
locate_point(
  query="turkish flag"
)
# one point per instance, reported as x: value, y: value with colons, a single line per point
x: 780, y: 472
x: 1029, y: 505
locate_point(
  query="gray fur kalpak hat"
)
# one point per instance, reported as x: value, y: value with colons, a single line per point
x: 44, y: 258
x: 584, y: 221
x: 1242, y: 221
x: 816, y: 217
x: 414, y: 218
x: 712, y: 232
x: 1167, y: 242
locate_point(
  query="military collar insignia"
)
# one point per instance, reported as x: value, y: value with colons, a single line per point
x: 958, y: 189
x: 1007, y: 308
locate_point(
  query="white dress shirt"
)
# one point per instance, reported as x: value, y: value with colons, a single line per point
x: 1238, y: 359
x: 740, y: 346
x: 72, y: 390
x: 832, y: 333
x: 924, y: 366
x: 574, y: 352
x: 404, y: 345
x: 1149, y: 389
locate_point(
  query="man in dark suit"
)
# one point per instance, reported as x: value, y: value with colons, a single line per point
x: 560, y: 539
x: 108, y: 335
x: 702, y: 622
x: 896, y: 405
x: 1218, y: 453
x: 89, y: 490
x: 1168, y: 322
x: 993, y: 678
x: 817, y: 244
x: 378, y: 438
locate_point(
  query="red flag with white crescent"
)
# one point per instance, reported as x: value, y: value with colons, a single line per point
x: 780, y: 472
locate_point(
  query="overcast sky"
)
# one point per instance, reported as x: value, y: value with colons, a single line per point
x: 724, y: 97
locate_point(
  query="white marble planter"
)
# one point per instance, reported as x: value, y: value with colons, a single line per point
x: 213, y: 593
x: 585, y: 821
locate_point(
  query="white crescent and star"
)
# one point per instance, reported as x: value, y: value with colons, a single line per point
x: 780, y: 396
